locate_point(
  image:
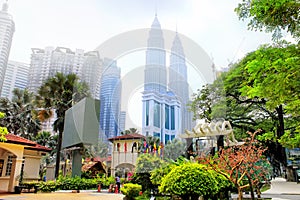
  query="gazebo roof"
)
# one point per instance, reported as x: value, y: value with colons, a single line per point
x: 127, y: 137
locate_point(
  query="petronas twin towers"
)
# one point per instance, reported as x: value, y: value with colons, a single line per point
x: 166, y: 90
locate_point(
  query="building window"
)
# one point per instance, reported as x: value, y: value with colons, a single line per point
x: 156, y: 135
x: 172, y: 137
x: 8, y: 165
x: 147, y: 113
x: 167, y: 138
x: 156, y: 114
x: 172, y: 118
x: 167, y: 116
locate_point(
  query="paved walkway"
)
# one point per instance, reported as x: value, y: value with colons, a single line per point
x: 67, y: 195
x: 281, y: 186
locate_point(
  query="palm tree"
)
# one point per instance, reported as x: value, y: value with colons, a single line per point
x: 20, y: 118
x: 60, y: 93
x: 130, y: 131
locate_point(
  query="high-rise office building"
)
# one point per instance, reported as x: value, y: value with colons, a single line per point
x: 7, y: 29
x: 110, y: 95
x: 161, y: 108
x: 122, y: 121
x: 178, y: 81
x: 16, y: 76
x: 47, y: 62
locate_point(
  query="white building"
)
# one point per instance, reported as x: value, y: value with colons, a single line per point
x: 47, y: 62
x: 7, y: 29
x: 162, y: 115
x: 16, y: 76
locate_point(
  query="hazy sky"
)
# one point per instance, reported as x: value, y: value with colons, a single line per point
x: 86, y: 24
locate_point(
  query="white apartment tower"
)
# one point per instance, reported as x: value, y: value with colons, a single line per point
x: 16, y: 76
x: 47, y: 62
x: 7, y: 29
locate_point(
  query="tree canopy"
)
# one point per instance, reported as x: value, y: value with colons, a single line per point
x: 271, y: 16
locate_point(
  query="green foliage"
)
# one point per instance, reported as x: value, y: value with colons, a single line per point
x: 192, y: 179
x: 76, y: 183
x: 48, y: 186
x: 290, y: 140
x: 271, y: 16
x: 144, y: 165
x: 3, y: 130
x: 158, y: 173
x: 131, y: 190
x: 106, y: 181
x: 20, y: 117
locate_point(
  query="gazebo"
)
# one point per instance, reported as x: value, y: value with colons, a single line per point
x: 125, y: 152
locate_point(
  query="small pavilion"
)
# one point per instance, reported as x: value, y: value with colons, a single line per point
x: 125, y: 153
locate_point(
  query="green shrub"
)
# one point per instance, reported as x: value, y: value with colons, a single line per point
x: 192, y: 180
x: 48, y: 186
x: 131, y: 190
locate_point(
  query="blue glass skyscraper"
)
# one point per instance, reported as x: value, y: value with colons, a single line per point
x: 110, y: 94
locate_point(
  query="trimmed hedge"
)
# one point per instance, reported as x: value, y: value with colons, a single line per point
x: 76, y: 183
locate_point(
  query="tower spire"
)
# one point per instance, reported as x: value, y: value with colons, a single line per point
x: 5, y: 6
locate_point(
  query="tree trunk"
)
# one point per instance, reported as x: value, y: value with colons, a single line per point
x: 280, y: 131
x: 251, y: 188
x: 240, y: 193
x: 220, y: 142
x: 57, y: 165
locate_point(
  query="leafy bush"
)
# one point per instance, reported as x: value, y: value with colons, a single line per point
x: 192, y: 180
x: 131, y: 190
x: 105, y: 181
x: 48, y: 186
x: 76, y: 183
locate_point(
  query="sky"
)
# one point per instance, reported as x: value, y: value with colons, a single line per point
x: 86, y: 24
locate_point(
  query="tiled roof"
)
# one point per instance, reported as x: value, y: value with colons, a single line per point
x: 127, y: 137
x: 11, y: 138
x: 14, y: 139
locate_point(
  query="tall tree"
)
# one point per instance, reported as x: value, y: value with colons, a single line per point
x: 271, y: 15
x: 20, y: 114
x: 60, y: 93
x: 274, y: 76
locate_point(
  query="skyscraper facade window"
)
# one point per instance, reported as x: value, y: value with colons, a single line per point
x: 16, y: 76
x: 7, y: 29
x: 110, y: 95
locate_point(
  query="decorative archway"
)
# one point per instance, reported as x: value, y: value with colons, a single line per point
x: 123, y: 169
